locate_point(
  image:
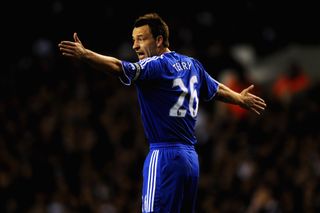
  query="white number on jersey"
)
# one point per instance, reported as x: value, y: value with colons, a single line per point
x: 176, y: 110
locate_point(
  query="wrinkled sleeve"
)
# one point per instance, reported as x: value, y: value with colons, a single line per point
x: 209, y: 87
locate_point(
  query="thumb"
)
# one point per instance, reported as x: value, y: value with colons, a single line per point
x: 246, y: 90
x: 250, y: 88
x: 76, y: 38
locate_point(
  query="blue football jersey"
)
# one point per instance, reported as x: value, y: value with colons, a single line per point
x: 168, y: 88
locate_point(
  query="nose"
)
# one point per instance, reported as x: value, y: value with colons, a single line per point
x: 135, y: 45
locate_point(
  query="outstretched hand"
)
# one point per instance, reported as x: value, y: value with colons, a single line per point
x: 252, y: 102
x: 73, y: 49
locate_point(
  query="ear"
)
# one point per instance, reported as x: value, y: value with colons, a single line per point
x: 159, y: 40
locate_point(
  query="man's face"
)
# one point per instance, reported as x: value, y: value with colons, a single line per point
x: 143, y: 42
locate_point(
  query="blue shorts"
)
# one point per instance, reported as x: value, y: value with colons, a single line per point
x: 170, y: 179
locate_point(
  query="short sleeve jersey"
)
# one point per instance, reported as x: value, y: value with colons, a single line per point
x: 168, y: 88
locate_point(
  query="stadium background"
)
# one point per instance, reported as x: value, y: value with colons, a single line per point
x: 71, y: 139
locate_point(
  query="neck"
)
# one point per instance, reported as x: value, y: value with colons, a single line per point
x: 163, y: 50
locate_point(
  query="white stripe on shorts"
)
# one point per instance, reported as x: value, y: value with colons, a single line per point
x: 152, y: 174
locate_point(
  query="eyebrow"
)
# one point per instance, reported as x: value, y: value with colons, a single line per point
x: 138, y: 36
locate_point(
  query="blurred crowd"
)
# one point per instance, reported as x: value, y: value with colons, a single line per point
x: 71, y: 139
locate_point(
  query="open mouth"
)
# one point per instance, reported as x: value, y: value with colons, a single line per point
x: 140, y: 55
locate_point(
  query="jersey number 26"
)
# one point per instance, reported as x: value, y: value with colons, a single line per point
x: 177, y: 110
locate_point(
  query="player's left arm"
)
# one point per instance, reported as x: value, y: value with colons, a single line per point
x: 244, y: 99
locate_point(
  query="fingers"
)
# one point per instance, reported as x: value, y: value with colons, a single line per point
x: 258, y: 107
x: 255, y: 103
x: 256, y: 97
x: 67, y: 51
x: 66, y: 44
x: 254, y: 110
x: 258, y: 102
x: 67, y: 48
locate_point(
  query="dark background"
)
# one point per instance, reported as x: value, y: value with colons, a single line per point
x: 71, y: 138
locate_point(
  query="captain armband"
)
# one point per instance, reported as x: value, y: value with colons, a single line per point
x: 138, y: 71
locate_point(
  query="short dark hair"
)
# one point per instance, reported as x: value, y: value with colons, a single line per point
x: 156, y: 24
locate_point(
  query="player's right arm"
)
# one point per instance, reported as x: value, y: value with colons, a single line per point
x: 75, y: 49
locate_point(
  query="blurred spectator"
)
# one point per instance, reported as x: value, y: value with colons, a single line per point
x: 291, y: 82
x: 263, y: 201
